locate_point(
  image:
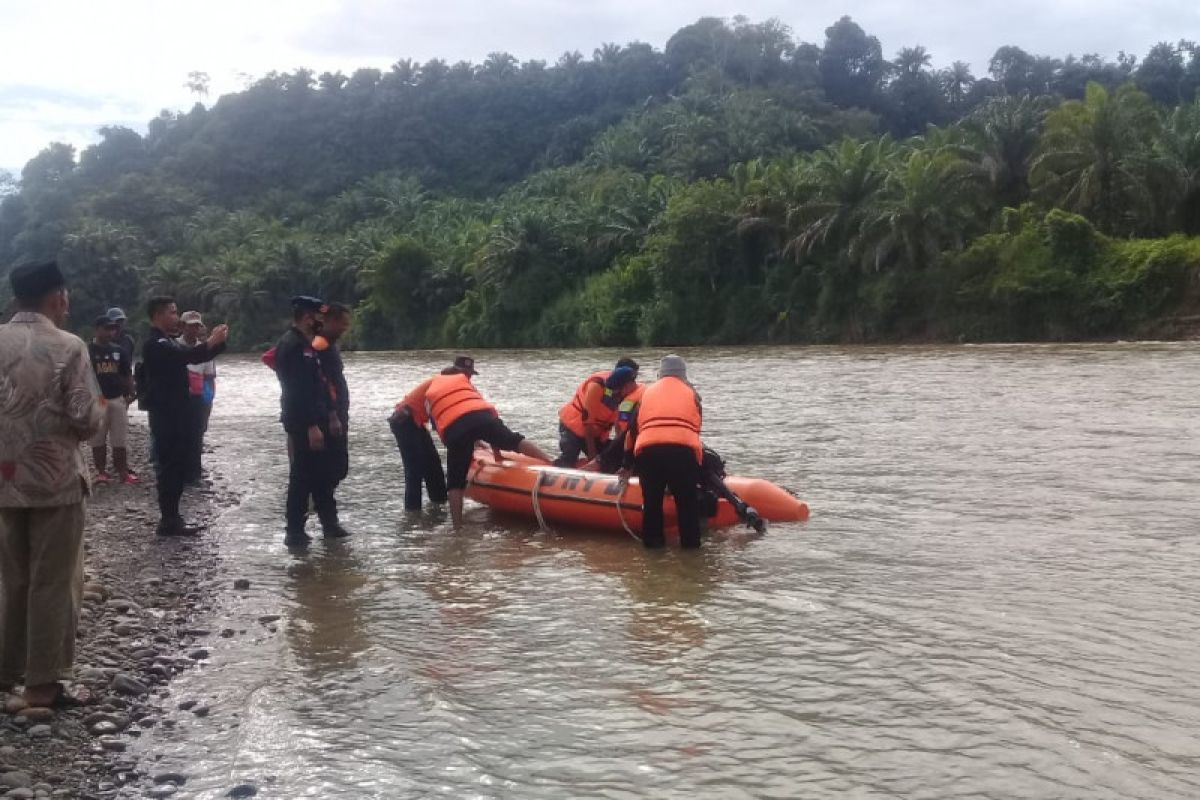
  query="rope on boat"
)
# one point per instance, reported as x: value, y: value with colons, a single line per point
x: 537, y: 505
x: 621, y: 514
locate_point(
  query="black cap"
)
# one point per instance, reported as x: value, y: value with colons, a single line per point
x: 32, y: 282
x: 115, y: 314
x: 103, y: 321
x: 306, y: 302
x: 466, y: 364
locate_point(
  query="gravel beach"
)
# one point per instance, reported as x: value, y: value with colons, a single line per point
x: 138, y: 629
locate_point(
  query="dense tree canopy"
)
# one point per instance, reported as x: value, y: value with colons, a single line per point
x: 737, y: 185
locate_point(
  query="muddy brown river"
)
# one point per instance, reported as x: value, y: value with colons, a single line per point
x: 997, y: 596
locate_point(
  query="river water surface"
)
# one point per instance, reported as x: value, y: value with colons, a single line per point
x: 998, y: 596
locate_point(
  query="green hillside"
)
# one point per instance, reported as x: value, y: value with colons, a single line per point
x: 734, y: 185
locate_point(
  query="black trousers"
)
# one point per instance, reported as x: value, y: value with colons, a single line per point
x: 612, y: 455
x: 171, y: 433
x: 674, y: 467
x: 571, y: 445
x: 311, y: 475
x: 422, y: 464
x: 338, y: 448
x: 199, y: 412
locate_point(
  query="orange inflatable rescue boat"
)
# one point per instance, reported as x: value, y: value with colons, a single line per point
x: 522, y: 486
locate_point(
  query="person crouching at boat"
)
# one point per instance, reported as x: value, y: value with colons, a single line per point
x: 462, y: 417
x: 612, y: 455
x: 422, y: 464
x: 586, y: 421
x: 663, y: 444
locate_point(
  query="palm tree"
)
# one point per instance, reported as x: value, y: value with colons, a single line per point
x: 1005, y: 131
x: 620, y: 213
x: 1095, y: 158
x: 570, y: 58
x: 607, y: 53
x: 912, y: 60
x: 499, y: 65
x: 957, y: 81
x: 405, y: 71
x: 767, y: 190
x: 1177, y: 161
x: 929, y: 203
x: 843, y: 182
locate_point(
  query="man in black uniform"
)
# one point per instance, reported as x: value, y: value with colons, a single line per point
x: 166, y: 393
x: 337, y: 323
x: 308, y: 416
x: 114, y: 373
x: 121, y: 337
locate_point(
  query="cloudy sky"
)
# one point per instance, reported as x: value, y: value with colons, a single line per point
x: 68, y: 67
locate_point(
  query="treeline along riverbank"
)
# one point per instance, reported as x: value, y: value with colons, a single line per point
x: 735, y: 186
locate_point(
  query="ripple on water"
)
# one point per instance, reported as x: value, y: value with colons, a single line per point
x: 996, y: 596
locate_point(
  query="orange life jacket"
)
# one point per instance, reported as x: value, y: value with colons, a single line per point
x: 669, y: 414
x: 414, y: 401
x: 578, y: 415
x: 449, y: 397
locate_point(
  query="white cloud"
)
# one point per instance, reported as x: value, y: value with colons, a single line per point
x: 103, y: 63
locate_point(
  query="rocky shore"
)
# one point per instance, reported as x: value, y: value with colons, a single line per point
x: 143, y: 601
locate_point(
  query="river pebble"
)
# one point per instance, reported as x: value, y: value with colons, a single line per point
x: 127, y: 684
x: 37, y: 714
x: 177, y: 778
x: 15, y: 779
x: 123, y: 605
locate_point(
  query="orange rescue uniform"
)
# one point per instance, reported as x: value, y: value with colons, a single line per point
x: 594, y: 408
x: 414, y: 401
x: 449, y: 397
x: 669, y: 413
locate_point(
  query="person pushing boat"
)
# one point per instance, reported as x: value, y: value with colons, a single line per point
x: 712, y: 467
x: 463, y: 417
x: 610, y: 457
x: 664, y: 445
x: 422, y: 464
x: 586, y: 422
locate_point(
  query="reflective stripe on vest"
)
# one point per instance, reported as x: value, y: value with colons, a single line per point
x: 449, y: 397
x: 625, y: 410
x: 669, y: 414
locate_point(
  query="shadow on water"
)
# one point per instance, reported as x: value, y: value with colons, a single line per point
x: 326, y: 630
